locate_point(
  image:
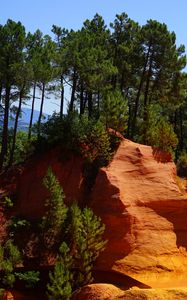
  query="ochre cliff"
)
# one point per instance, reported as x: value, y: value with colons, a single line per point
x: 145, y: 215
x: 30, y: 191
x: 137, y: 198
x: 110, y: 292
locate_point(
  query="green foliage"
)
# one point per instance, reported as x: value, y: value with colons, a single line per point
x: 86, y: 136
x: 62, y: 276
x: 56, y: 210
x: 166, y: 137
x: 182, y: 165
x: 95, y: 142
x: 52, y: 222
x: 7, y: 202
x: 31, y: 278
x: 16, y: 224
x: 114, y: 111
x: 157, y: 131
x: 2, y: 292
x: 9, y: 258
x: 89, y: 243
x: 80, y: 234
x: 112, y: 75
x: 163, y: 136
x: 23, y: 147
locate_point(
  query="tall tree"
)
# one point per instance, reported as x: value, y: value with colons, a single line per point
x: 34, y: 45
x: 12, y: 40
x: 60, y: 63
x: 23, y: 84
x: 161, y: 59
x: 46, y: 71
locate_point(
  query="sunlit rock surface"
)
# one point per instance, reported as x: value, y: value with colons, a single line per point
x: 145, y: 215
x: 99, y: 291
x: 137, y: 197
x: 109, y: 292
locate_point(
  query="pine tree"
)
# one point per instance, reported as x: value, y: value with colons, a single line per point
x: 114, y: 110
x: 91, y: 242
x: 60, y: 62
x: 80, y: 233
x: 53, y: 221
x: 60, y: 285
x: 9, y: 258
x: 12, y: 40
x: 34, y: 44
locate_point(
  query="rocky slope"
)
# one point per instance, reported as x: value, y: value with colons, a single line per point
x: 110, y: 292
x: 145, y: 215
x: 137, y: 198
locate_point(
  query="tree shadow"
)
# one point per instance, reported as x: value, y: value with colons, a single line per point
x: 175, y: 211
x: 105, y: 202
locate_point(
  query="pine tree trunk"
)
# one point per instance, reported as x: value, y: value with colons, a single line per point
x: 138, y: 94
x: 1, y: 89
x: 147, y: 87
x: 181, y: 129
x: 11, y: 159
x: 41, y: 108
x: 85, y: 100
x: 175, y: 121
x: 90, y: 104
x: 61, y: 97
x: 98, y: 100
x: 122, y: 81
x: 82, y: 101
x: 73, y: 91
x: 4, y: 146
x: 32, y: 111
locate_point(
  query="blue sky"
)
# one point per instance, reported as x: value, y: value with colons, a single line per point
x: 43, y: 14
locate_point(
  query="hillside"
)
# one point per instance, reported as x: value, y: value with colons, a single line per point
x: 145, y: 215
x: 137, y: 198
x: 24, y: 119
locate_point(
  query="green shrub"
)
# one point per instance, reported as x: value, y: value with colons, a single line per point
x: 53, y: 221
x: 114, y: 110
x: 7, y: 202
x: 23, y: 147
x: 60, y: 285
x: 80, y: 233
x: 85, y: 136
x: 156, y: 131
x: 10, y: 257
x: 30, y: 278
x: 16, y: 224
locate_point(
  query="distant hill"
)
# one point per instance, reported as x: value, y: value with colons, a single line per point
x: 24, y: 120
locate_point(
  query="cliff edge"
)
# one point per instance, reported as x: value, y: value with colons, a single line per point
x: 145, y: 214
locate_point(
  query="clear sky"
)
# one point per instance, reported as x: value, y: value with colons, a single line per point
x: 43, y: 14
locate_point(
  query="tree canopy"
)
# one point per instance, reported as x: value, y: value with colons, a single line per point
x: 116, y: 74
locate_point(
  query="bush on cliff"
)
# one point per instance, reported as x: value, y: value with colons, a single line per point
x: 80, y: 234
x: 89, y: 137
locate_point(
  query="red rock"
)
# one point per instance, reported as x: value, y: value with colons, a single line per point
x: 31, y: 193
x: 99, y: 291
x: 137, y: 198
x: 145, y: 215
x: 153, y: 294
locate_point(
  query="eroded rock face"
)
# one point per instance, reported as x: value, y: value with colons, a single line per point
x: 145, y: 215
x: 110, y: 292
x: 99, y: 291
x: 137, y: 198
x: 31, y: 193
x: 153, y: 294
